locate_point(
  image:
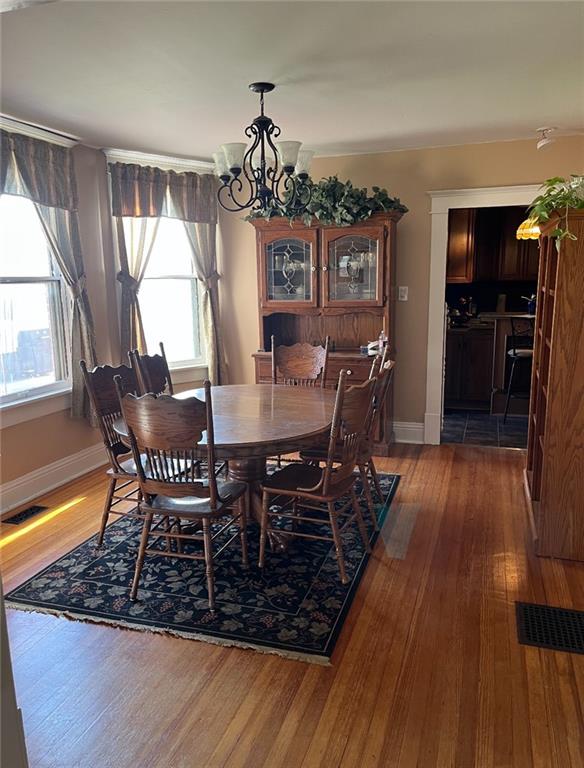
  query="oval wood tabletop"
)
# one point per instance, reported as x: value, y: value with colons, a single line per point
x: 254, y: 420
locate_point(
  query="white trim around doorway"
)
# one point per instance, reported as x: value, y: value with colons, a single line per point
x: 441, y: 202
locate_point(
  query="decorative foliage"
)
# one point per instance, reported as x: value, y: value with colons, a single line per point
x: 558, y: 195
x: 339, y: 203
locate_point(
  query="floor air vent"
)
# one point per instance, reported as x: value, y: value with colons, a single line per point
x: 25, y: 515
x: 560, y: 629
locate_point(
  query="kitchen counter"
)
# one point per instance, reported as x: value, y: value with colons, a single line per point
x: 505, y: 316
x: 481, y: 349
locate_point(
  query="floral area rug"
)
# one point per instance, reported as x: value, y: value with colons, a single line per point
x: 295, y: 608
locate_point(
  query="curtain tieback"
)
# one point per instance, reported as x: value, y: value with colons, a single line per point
x: 128, y: 282
x: 211, y: 280
x: 78, y: 287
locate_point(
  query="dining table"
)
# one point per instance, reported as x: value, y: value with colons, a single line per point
x: 254, y: 421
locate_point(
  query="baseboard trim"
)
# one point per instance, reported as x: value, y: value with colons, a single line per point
x: 408, y: 432
x: 40, y: 481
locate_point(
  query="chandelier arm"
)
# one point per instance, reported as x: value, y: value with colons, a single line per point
x: 275, y: 174
x: 231, y: 190
x: 253, y: 175
x: 227, y: 192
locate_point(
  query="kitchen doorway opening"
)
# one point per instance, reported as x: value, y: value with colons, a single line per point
x: 474, y: 411
x: 491, y: 284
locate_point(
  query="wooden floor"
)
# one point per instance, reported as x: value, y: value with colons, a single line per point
x: 427, y: 671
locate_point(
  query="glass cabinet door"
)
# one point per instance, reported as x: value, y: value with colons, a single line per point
x: 354, y: 267
x: 289, y: 270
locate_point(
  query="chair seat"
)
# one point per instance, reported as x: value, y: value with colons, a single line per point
x: 520, y: 353
x: 192, y: 506
x: 290, y: 479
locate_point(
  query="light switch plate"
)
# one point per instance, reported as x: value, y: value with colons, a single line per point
x: 402, y: 294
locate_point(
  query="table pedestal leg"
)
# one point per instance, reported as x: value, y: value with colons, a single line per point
x: 252, y: 472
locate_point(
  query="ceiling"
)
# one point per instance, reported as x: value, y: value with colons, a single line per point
x: 352, y: 77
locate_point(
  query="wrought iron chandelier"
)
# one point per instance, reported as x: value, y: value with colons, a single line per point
x: 267, y: 173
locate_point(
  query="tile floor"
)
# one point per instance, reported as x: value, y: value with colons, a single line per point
x: 476, y: 428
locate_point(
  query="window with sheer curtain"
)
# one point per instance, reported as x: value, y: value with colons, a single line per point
x: 169, y: 293
x: 34, y: 322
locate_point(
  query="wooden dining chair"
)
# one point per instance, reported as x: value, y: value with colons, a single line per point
x: 152, y: 372
x: 300, y: 365
x: 122, y: 473
x: 308, y: 486
x: 378, y: 363
x: 365, y: 462
x: 167, y: 430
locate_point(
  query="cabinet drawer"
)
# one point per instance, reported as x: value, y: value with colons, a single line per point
x: 359, y: 366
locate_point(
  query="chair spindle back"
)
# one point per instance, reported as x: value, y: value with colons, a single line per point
x: 167, y: 431
x: 350, y: 418
x: 383, y: 381
x: 104, y: 397
x: 152, y: 372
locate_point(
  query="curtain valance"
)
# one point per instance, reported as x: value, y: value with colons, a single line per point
x: 38, y: 170
x: 145, y: 191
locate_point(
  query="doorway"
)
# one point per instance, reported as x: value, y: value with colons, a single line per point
x: 491, y: 283
x: 443, y: 202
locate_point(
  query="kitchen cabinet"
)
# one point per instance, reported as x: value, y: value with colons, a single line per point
x: 518, y: 259
x: 469, y: 367
x: 482, y: 246
x: 460, y: 261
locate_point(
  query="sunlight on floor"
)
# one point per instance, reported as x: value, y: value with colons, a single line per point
x: 41, y: 521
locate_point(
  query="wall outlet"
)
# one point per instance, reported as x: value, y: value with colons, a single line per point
x: 402, y: 293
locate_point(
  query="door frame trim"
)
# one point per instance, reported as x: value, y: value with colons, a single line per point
x: 441, y: 202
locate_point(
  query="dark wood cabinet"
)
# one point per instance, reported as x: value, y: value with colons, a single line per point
x: 518, y: 259
x: 469, y: 367
x: 460, y: 262
x: 482, y: 246
x: 317, y: 281
x: 487, y: 244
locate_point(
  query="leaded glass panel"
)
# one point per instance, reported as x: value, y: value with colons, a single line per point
x: 353, y: 268
x: 288, y: 270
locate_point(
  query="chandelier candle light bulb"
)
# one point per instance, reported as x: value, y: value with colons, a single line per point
x: 288, y: 153
x: 303, y: 163
x: 221, y: 167
x: 234, y: 154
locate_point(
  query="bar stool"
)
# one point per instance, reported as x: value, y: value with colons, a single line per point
x: 520, y: 354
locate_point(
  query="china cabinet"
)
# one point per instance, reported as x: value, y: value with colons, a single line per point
x: 555, y: 450
x: 317, y: 281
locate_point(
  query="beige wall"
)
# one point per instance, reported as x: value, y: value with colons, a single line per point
x: 409, y: 175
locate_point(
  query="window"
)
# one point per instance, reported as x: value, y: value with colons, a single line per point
x: 169, y: 294
x: 33, y: 343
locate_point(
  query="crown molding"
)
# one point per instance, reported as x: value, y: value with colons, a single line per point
x: 166, y: 162
x: 37, y: 132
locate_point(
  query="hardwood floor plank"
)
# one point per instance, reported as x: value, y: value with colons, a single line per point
x: 427, y: 672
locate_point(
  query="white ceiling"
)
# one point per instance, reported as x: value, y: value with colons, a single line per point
x: 352, y: 76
